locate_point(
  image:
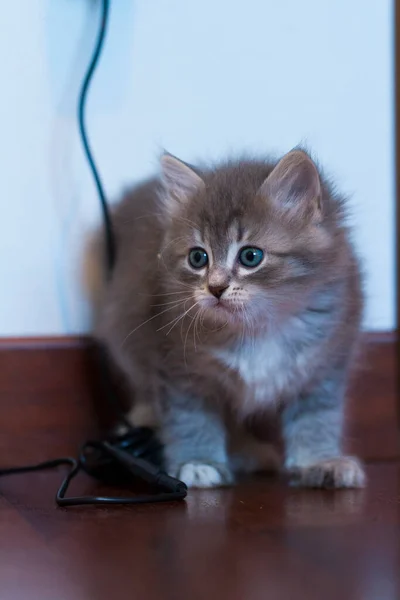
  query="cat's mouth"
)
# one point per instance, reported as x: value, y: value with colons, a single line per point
x: 220, y: 310
x: 220, y: 306
x: 217, y: 303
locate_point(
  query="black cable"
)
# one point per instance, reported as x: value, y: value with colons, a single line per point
x: 172, y: 489
x: 108, y: 227
x: 137, y: 453
x: 47, y: 464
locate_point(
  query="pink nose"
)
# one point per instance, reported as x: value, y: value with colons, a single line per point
x: 217, y: 290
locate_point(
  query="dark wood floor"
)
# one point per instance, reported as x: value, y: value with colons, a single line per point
x: 258, y: 541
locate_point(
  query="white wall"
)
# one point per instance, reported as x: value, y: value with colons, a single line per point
x: 200, y: 78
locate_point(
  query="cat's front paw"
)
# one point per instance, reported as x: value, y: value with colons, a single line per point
x: 340, y: 472
x: 201, y: 475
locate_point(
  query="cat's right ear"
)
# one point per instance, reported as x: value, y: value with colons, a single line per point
x: 180, y: 181
x: 294, y: 187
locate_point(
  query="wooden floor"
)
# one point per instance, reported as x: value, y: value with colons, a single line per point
x: 258, y: 541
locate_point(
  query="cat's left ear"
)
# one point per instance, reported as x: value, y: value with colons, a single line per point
x: 294, y: 187
x: 180, y: 180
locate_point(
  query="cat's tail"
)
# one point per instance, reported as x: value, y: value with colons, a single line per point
x: 94, y: 273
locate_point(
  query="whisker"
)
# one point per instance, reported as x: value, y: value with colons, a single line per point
x: 160, y: 214
x: 160, y: 294
x: 200, y: 314
x: 176, y: 320
x: 130, y: 220
x: 174, y: 241
x: 194, y: 225
x: 147, y: 321
x: 182, y: 320
x: 195, y: 332
x: 184, y: 345
x: 202, y: 317
x: 243, y: 326
x: 176, y: 302
x: 220, y: 328
x: 186, y: 337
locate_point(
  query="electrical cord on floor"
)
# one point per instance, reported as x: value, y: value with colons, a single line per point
x: 135, y: 454
x: 115, y: 462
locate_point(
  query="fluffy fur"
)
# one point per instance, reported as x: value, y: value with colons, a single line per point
x: 207, y: 350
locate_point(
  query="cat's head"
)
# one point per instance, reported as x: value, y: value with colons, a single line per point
x: 245, y: 241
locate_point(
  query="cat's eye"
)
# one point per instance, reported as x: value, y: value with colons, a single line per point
x: 198, y: 258
x: 251, y: 257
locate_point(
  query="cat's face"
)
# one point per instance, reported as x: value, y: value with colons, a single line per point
x: 244, y: 242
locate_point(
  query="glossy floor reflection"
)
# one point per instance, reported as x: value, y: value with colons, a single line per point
x: 258, y: 541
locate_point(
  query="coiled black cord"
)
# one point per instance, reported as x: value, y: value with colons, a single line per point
x: 107, y: 461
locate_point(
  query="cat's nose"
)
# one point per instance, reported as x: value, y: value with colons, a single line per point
x: 217, y: 290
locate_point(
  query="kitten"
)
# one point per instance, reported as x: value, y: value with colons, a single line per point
x: 236, y: 294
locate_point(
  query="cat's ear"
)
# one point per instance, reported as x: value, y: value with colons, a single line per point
x: 294, y: 186
x: 180, y: 181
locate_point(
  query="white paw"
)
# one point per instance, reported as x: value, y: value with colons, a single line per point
x: 197, y: 475
x: 340, y: 472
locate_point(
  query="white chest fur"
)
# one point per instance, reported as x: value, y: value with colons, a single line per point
x: 265, y: 367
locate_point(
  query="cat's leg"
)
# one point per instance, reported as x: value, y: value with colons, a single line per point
x: 312, y: 431
x: 194, y: 438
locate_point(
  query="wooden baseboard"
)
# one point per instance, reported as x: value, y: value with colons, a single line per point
x: 372, y: 420
x: 49, y: 386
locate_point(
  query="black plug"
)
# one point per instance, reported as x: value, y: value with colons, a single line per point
x: 145, y: 470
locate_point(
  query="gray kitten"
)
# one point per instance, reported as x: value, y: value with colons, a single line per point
x: 236, y: 295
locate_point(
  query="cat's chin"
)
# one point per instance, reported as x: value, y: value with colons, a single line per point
x: 220, y: 313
